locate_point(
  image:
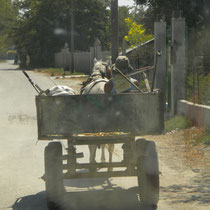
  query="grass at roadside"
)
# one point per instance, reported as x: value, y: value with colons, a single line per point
x: 177, y: 122
x: 192, y: 135
x: 197, y: 136
x: 57, y: 72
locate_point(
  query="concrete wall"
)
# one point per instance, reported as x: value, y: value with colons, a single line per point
x: 83, y: 61
x: 199, y: 114
x: 59, y: 60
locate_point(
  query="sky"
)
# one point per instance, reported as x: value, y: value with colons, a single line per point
x: 125, y: 2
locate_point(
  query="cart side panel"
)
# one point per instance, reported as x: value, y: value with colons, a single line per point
x: 62, y: 116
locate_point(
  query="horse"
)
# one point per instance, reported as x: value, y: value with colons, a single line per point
x: 95, y: 85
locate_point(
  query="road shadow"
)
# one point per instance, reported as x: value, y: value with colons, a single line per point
x: 31, y: 202
x: 197, y: 190
x: 115, y: 199
x: 101, y: 194
x: 88, y: 182
x: 11, y: 69
x: 108, y: 198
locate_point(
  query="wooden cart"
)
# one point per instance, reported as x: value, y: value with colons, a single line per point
x: 133, y: 114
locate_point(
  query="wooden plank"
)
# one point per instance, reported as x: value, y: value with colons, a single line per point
x: 96, y: 165
x: 124, y: 83
x: 100, y: 174
x: 141, y: 70
x: 146, y: 82
x: 96, y: 140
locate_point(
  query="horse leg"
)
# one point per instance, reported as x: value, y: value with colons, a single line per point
x: 102, y: 153
x: 92, y: 149
x: 111, y: 150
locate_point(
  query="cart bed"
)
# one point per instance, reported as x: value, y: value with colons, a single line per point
x: 59, y: 117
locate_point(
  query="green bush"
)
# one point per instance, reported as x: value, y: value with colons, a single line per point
x: 197, y: 136
x: 177, y: 122
x: 206, y: 139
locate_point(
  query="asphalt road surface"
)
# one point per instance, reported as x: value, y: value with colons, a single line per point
x: 22, y: 162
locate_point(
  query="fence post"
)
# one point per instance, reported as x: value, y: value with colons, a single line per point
x: 161, y: 59
x: 177, y: 62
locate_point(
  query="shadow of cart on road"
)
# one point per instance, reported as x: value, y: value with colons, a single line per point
x: 100, y: 193
x: 31, y: 202
x: 116, y: 199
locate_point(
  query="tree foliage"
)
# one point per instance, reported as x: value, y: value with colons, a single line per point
x: 7, y: 16
x: 44, y: 26
x: 123, y: 14
x: 195, y: 11
x: 137, y: 33
x: 196, y: 14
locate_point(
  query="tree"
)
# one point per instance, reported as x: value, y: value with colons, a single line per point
x: 123, y: 26
x: 44, y: 26
x: 92, y: 19
x: 137, y: 33
x: 7, y: 16
x: 195, y: 11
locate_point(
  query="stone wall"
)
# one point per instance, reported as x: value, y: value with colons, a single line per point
x: 199, y: 114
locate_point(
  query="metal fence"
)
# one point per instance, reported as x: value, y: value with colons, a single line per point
x: 198, y: 79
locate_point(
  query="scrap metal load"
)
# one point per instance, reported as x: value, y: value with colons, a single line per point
x: 54, y: 91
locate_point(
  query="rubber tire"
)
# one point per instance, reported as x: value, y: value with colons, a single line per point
x: 53, y: 176
x: 148, y: 172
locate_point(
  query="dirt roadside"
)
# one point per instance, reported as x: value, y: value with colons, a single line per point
x: 184, y: 167
x: 185, y: 172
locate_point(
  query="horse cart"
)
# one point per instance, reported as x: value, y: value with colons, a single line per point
x: 128, y: 114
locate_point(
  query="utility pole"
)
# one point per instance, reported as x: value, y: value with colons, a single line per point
x: 114, y: 29
x: 72, y: 36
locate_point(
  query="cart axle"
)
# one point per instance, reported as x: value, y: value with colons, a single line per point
x: 97, y: 165
x: 100, y: 174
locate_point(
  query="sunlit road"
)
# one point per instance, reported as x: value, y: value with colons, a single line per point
x: 21, y: 157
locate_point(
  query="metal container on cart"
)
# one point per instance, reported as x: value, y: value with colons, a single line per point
x: 132, y: 114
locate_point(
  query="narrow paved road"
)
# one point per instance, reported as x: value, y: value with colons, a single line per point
x: 21, y: 162
x: 21, y: 158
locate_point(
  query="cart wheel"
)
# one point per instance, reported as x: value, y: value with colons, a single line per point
x: 148, y: 172
x: 54, y: 176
